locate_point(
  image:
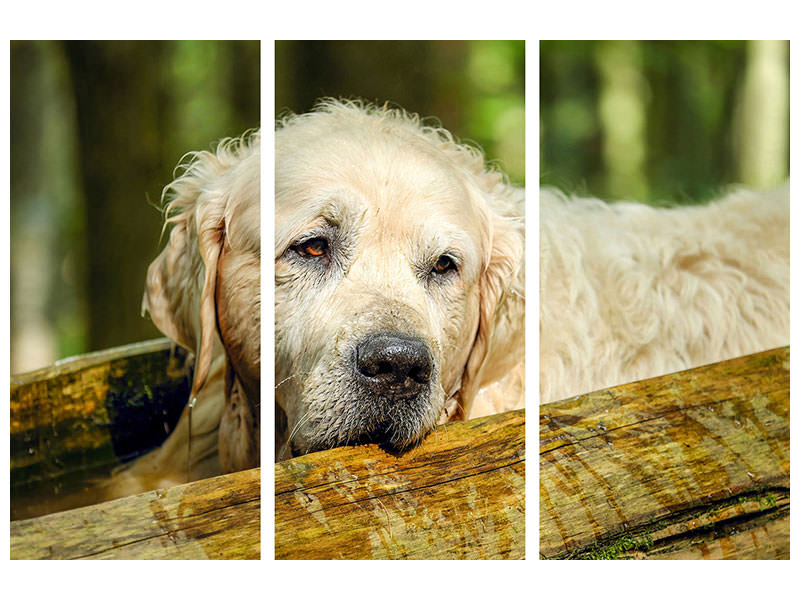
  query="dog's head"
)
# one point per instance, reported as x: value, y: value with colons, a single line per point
x: 395, y: 246
x: 204, y: 287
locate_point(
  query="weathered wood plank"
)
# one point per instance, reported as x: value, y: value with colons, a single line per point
x: 216, y: 518
x: 460, y: 494
x: 689, y: 465
x: 74, y: 421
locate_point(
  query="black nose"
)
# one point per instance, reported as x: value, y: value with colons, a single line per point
x: 393, y: 365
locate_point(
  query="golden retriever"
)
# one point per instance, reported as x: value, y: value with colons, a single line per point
x: 399, y: 290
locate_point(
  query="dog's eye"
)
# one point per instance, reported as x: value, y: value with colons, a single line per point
x: 313, y: 248
x: 443, y: 265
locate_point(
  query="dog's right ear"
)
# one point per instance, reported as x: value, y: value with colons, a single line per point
x: 181, y: 282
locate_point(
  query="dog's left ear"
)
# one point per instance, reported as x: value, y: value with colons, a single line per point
x: 499, y: 344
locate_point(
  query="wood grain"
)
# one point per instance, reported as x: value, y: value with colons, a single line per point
x: 460, y: 494
x: 691, y: 465
x: 217, y: 518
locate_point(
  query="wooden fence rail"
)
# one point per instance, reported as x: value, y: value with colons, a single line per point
x: 690, y: 465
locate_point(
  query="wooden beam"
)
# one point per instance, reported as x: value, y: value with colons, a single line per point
x: 689, y: 465
x: 460, y: 494
x: 213, y: 518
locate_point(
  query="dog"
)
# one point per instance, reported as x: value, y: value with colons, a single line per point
x: 203, y: 291
x: 629, y: 292
x: 399, y: 280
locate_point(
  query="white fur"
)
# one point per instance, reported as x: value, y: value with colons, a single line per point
x: 629, y: 292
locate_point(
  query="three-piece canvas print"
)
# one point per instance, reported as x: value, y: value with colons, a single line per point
x: 405, y: 236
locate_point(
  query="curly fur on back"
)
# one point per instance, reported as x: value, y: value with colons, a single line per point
x: 629, y: 292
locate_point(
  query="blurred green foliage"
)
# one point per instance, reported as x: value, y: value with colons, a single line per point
x: 97, y: 128
x: 476, y: 89
x: 662, y: 121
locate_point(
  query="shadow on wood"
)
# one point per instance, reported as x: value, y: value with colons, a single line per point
x: 690, y: 465
x: 460, y: 494
x: 73, y: 422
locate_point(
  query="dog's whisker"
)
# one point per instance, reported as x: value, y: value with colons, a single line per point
x: 294, y: 432
x: 290, y: 377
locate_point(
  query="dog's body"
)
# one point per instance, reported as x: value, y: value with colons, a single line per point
x: 629, y: 292
x: 398, y: 280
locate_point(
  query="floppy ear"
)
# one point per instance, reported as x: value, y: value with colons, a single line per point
x: 181, y: 281
x: 499, y: 342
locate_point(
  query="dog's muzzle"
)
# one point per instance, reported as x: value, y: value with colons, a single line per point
x: 391, y: 379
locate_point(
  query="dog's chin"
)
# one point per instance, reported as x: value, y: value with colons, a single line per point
x: 396, y: 425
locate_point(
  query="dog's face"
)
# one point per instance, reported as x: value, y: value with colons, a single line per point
x: 381, y: 244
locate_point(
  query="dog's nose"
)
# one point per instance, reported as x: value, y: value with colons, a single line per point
x: 394, y: 365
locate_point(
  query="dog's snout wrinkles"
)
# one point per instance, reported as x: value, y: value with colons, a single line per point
x: 394, y: 365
